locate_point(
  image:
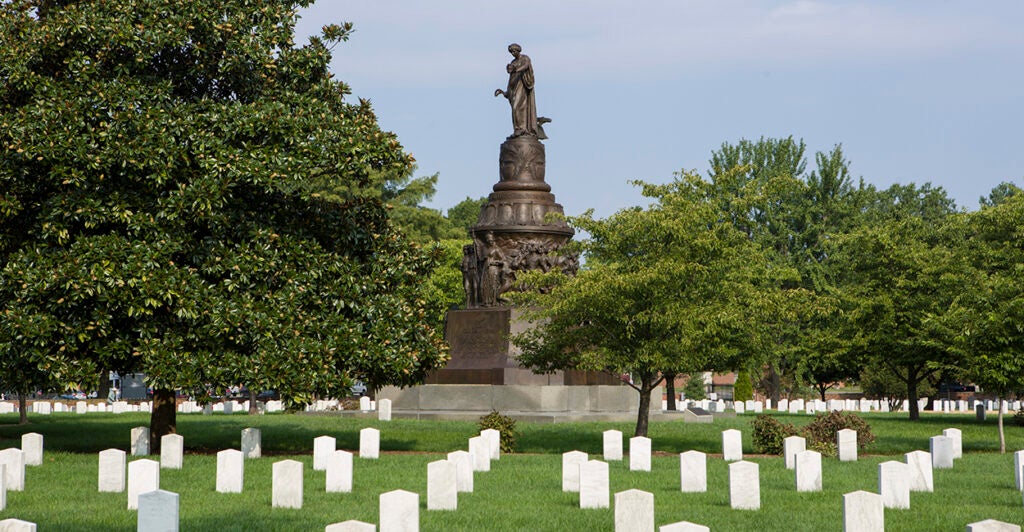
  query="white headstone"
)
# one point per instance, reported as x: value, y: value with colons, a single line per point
x: 783, y: 405
x: 323, y: 446
x: 112, y: 470
x: 991, y: 525
x: 863, y: 512
x: 14, y: 473
x: 594, y: 489
x: 693, y: 472
x: 252, y: 443
x: 3, y: 487
x: 744, y: 486
x: 634, y: 511
x: 230, y: 471
x: 143, y: 476
x: 684, y: 526
x: 807, y: 469
x: 957, y: 436
x: 640, y: 454
x: 738, y: 407
x: 364, y: 403
x: 119, y: 407
x: 287, y: 484
x: 442, y: 486
x: 81, y: 407
x: 493, y: 438
x: 384, y: 410
x: 463, y: 470
x: 43, y: 407
x: 1018, y: 469
x: 480, y: 448
x: 17, y: 525
x: 612, y: 445
x: 351, y: 526
x: 732, y: 445
x: 941, y: 448
x: 791, y: 446
x: 399, y: 511
x: 158, y: 511
x: 229, y: 407
x: 339, y: 472
x: 979, y: 411
x: 894, y: 484
x: 369, y: 443
x: 919, y: 466
x: 32, y: 444
x: 571, y: 470
x: 171, y: 450
x: 846, y: 444
x: 140, y: 441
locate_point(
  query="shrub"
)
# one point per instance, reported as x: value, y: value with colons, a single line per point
x: 503, y: 424
x: 821, y: 433
x: 769, y: 433
x: 1018, y: 418
x: 694, y: 389
x: 743, y: 389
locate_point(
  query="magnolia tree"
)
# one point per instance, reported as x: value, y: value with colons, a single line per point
x: 187, y: 193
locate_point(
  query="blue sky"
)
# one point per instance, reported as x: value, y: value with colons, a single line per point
x: 915, y: 91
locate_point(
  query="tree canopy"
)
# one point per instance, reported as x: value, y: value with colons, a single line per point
x: 186, y: 192
x: 664, y: 289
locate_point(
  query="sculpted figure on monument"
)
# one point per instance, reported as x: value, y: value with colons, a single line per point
x: 470, y: 275
x: 520, y: 93
x: 496, y: 273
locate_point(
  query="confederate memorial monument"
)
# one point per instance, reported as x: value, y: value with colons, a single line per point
x: 520, y: 228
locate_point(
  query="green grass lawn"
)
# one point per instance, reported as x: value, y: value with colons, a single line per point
x: 521, y: 492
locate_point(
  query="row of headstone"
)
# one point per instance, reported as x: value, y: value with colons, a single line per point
x: 813, y: 406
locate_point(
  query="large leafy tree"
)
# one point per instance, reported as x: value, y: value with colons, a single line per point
x: 664, y: 288
x: 187, y: 193
x: 900, y: 281
x: 765, y: 188
x: 991, y: 317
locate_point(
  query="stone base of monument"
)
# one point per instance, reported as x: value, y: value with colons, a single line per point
x: 536, y: 403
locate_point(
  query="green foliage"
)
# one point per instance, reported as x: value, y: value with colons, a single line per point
x: 900, y: 280
x: 188, y: 194
x: 465, y: 214
x: 665, y: 289
x: 821, y: 433
x: 744, y: 388
x: 503, y: 424
x: 768, y: 433
x: 879, y: 381
x: 695, y: 390
x: 443, y: 289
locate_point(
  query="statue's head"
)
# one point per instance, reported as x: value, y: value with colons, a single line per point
x: 515, y: 49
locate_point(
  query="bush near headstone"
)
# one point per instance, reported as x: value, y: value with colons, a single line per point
x: 503, y: 424
x: 768, y: 433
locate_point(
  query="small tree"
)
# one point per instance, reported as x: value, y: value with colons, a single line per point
x: 743, y: 390
x: 663, y: 287
x: 695, y: 389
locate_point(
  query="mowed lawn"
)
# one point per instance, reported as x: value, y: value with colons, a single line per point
x: 521, y: 492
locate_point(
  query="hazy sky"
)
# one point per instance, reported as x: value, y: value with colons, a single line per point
x: 915, y: 91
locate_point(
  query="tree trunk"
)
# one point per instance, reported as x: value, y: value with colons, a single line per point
x: 104, y: 388
x: 821, y: 390
x: 644, y: 412
x: 164, y: 419
x: 913, y: 407
x: 670, y: 389
x: 774, y: 384
x: 1002, y: 435
x: 22, y: 409
x: 252, y: 403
